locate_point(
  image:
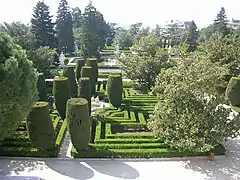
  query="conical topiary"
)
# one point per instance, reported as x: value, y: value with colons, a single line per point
x: 42, y: 88
x: 84, y: 90
x: 79, y: 64
x: 40, y: 126
x: 70, y: 74
x: 78, y: 122
x: 61, y: 94
x: 233, y: 91
x: 115, y: 89
x: 87, y: 71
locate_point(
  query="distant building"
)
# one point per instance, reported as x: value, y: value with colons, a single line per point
x: 234, y: 23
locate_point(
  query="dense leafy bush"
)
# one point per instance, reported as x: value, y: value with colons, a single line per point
x: 84, y: 90
x: 93, y: 63
x: 70, y: 74
x: 233, y: 91
x: 40, y: 126
x: 79, y: 65
x: 191, y: 118
x: 114, y: 90
x: 42, y: 88
x: 87, y: 71
x: 17, y: 85
x: 61, y: 94
x: 78, y: 122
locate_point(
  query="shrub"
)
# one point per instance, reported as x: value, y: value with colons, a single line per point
x: 61, y: 94
x: 79, y: 65
x: 78, y: 122
x: 66, y: 60
x: 17, y: 85
x: 84, y: 90
x: 40, y: 126
x: 87, y: 71
x: 69, y: 73
x: 42, y: 88
x: 233, y: 91
x: 114, y: 90
x: 93, y: 63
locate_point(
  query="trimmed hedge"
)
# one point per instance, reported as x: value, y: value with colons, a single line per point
x: 69, y: 73
x: 94, y: 65
x: 233, y: 91
x: 79, y: 64
x: 42, y: 88
x: 87, y: 71
x: 40, y: 127
x: 61, y: 94
x: 114, y: 90
x: 84, y: 90
x: 78, y: 122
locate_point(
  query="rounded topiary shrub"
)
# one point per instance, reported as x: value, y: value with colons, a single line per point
x: 70, y: 74
x: 93, y: 63
x: 114, y: 90
x: 18, y: 89
x: 79, y: 65
x: 84, y: 90
x: 40, y: 127
x: 233, y: 91
x: 87, y: 71
x: 61, y: 94
x: 78, y: 122
x: 42, y: 88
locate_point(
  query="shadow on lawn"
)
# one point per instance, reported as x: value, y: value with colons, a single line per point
x: 114, y: 168
x: 222, y: 168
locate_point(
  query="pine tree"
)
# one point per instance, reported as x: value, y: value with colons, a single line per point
x: 94, y: 31
x: 64, y: 27
x: 42, y: 27
x: 192, y: 37
x: 76, y: 17
x: 220, y: 23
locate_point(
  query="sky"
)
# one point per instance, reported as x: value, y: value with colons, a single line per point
x: 127, y: 12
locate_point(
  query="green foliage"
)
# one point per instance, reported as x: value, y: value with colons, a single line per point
x: 76, y: 17
x: 42, y: 58
x: 93, y: 63
x: 17, y: 85
x: 40, y: 126
x: 42, y: 88
x: 192, y: 119
x: 61, y: 94
x: 192, y: 37
x: 79, y: 64
x: 114, y: 90
x: 84, y: 90
x: 144, y: 69
x: 42, y: 26
x: 87, y: 71
x: 93, y: 32
x: 78, y: 122
x: 233, y: 91
x: 123, y: 38
x: 70, y: 74
x: 220, y: 23
x: 64, y: 28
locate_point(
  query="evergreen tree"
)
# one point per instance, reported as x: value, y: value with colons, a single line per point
x: 64, y: 27
x: 94, y: 31
x: 76, y: 17
x: 192, y: 37
x: 42, y: 27
x: 220, y: 23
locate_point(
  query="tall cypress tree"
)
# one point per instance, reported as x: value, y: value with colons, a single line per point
x: 42, y: 26
x: 192, y: 37
x: 64, y: 27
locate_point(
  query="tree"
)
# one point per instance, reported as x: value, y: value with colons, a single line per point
x: 205, y: 33
x: 64, y: 27
x: 191, y: 119
x: 123, y: 38
x: 94, y: 31
x: 192, y: 37
x: 76, y: 17
x: 111, y: 33
x: 220, y: 23
x: 17, y: 85
x: 42, y: 27
x: 20, y: 34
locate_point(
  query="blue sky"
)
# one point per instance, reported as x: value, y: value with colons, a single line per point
x: 126, y: 12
